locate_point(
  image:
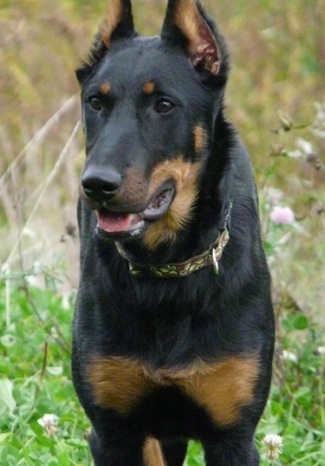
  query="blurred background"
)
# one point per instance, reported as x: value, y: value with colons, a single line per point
x: 275, y: 99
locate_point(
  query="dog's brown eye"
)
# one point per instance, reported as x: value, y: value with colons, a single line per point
x: 164, y: 106
x: 95, y: 103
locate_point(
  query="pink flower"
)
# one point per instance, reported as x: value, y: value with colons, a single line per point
x: 282, y: 215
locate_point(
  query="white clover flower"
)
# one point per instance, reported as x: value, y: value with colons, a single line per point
x: 296, y: 154
x: 282, y: 215
x: 288, y: 356
x: 273, y: 444
x: 49, y: 422
x: 37, y: 268
x: 28, y: 233
x: 305, y: 146
x: 321, y: 350
x: 66, y: 302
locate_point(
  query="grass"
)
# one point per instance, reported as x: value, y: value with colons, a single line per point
x: 36, y: 380
x: 274, y: 98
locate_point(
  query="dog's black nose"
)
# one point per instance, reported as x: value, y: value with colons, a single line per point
x: 101, y: 183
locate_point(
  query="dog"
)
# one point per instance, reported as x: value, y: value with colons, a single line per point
x: 173, y: 331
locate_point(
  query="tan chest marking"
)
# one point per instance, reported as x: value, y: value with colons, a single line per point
x: 118, y: 383
x: 221, y: 388
x: 152, y: 453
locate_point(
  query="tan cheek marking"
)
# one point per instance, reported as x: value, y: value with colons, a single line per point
x: 118, y: 383
x: 152, y: 453
x: 200, y: 138
x: 105, y: 88
x: 149, y: 87
x: 224, y: 388
x: 112, y: 19
x: 185, y: 175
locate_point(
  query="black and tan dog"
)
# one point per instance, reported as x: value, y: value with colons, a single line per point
x: 173, y: 331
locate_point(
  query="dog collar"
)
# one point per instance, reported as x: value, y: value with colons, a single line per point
x: 209, y: 257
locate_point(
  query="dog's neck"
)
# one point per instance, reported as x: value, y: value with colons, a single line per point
x: 208, y: 258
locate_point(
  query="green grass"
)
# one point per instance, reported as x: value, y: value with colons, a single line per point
x: 36, y: 380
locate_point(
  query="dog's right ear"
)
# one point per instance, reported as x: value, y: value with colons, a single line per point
x: 117, y: 24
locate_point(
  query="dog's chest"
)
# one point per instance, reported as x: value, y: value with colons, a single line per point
x: 221, y: 388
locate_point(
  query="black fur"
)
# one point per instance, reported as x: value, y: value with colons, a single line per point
x: 167, y: 324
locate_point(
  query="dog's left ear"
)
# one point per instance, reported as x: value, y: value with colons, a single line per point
x: 186, y: 25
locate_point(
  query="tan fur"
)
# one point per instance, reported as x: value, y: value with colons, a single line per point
x: 105, y: 88
x: 118, y: 382
x: 152, y: 453
x: 149, y: 87
x: 112, y: 19
x: 222, y: 388
x: 184, y: 175
x: 200, y: 138
x: 188, y: 18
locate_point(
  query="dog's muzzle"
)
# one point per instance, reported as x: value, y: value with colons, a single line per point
x: 115, y: 217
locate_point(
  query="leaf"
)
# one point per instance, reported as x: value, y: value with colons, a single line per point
x: 55, y: 370
x: 4, y: 436
x: 8, y: 340
x: 296, y: 321
x: 300, y: 322
x: 6, y: 395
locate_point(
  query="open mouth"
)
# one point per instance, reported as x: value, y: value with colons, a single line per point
x: 115, y: 223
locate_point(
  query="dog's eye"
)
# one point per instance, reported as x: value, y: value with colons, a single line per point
x: 95, y: 104
x: 164, y: 106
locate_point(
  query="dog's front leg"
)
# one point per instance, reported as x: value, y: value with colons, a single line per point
x: 232, y: 450
x: 115, y: 450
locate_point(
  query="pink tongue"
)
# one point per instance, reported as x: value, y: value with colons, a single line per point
x: 113, y: 223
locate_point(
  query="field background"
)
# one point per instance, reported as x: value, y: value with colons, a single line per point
x: 275, y: 99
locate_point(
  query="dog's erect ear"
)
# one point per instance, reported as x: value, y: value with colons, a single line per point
x: 118, y: 23
x: 186, y: 25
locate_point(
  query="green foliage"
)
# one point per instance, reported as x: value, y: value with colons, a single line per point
x: 36, y: 379
x: 296, y: 409
x: 195, y: 455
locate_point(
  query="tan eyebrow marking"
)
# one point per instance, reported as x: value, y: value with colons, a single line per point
x: 149, y: 87
x: 105, y: 88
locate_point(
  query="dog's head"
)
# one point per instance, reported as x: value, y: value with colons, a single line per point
x: 149, y: 106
